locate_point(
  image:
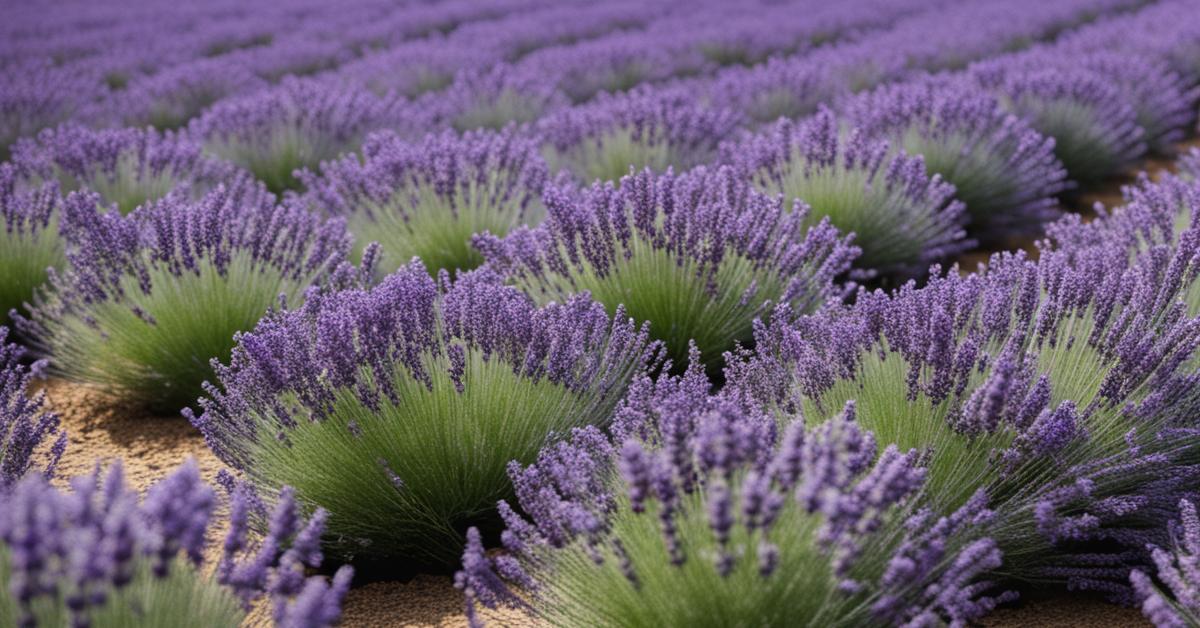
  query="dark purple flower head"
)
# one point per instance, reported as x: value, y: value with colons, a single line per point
x: 25, y: 426
x: 710, y: 253
x: 711, y: 493
x: 1003, y: 170
x: 903, y: 218
x: 128, y: 168
x: 428, y: 198
x: 646, y: 128
x: 296, y: 125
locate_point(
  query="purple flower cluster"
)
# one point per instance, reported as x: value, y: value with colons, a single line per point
x: 92, y: 556
x: 707, y: 254
x: 903, y: 218
x: 428, y: 198
x: 653, y: 129
x: 1003, y: 170
x: 127, y: 167
x: 1179, y: 570
x: 699, y: 510
x: 25, y: 426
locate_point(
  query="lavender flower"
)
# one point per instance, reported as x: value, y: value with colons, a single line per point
x: 427, y: 199
x: 1179, y: 570
x: 398, y: 408
x: 25, y: 426
x: 297, y: 125
x: 98, y: 557
x: 1004, y: 171
x: 37, y: 96
x: 148, y: 299
x: 126, y: 167
x: 903, y: 218
x: 741, y: 526
x: 699, y: 256
x: 653, y: 129
x: 492, y: 99
x: 171, y: 98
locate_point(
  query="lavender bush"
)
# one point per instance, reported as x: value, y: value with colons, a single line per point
x: 698, y: 256
x: 148, y: 299
x: 654, y: 129
x: 428, y: 198
x: 101, y: 556
x: 126, y: 167
x: 1004, y: 171
x: 903, y: 218
x: 699, y: 513
x: 297, y: 125
x: 397, y: 408
x: 25, y: 426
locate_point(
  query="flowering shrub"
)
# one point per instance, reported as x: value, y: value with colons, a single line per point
x: 29, y: 240
x: 126, y: 167
x: 698, y: 513
x: 699, y: 256
x: 148, y: 300
x: 397, y: 408
x: 903, y: 218
x: 1179, y: 570
x: 101, y: 556
x: 427, y: 199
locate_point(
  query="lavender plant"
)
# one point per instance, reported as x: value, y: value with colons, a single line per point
x: 700, y: 513
x: 1015, y: 379
x: 1178, y: 569
x: 29, y: 242
x: 297, y: 125
x: 427, y: 199
x: 493, y: 99
x: 397, y: 408
x: 100, y: 556
x: 654, y: 129
x: 903, y: 218
x: 126, y: 167
x: 148, y: 299
x: 699, y: 256
x: 1004, y: 171
x: 25, y: 426
x: 1094, y: 126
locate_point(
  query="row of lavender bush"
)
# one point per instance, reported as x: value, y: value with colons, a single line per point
x: 1036, y: 418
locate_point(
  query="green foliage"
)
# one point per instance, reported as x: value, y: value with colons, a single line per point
x: 129, y: 186
x: 273, y: 161
x: 611, y: 157
x: 508, y: 107
x: 24, y: 258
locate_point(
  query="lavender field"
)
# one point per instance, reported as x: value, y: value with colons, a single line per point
x: 563, y: 313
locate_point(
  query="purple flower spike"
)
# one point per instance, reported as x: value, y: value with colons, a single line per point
x: 903, y: 218
x: 25, y: 426
x: 1179, y: 570
x: 744, y: 526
